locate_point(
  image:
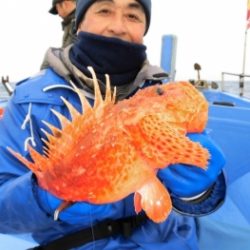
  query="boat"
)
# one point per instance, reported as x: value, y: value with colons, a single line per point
x: 229, y: 125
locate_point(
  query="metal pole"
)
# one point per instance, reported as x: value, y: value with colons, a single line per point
x: 6, y: 84
x: 243, y: 65
x: 222, y: 81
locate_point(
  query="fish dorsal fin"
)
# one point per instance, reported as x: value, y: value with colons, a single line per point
x: 98, y: 96
x: 73, y: 112
x: 51, y: 138
x: 55, y: 131
x: 84, y: 102
x: 108, y: 95
x: 63, y: 120
x: 114, y: 95
x: 45, y: 150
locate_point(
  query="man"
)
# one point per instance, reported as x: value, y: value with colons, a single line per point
x: 66, y: 10
x: 110, y: 36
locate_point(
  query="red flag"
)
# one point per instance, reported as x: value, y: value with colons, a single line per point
x: 248, y: 14
x: 248, y: 10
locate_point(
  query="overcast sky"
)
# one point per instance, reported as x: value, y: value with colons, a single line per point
x: 209, y: 32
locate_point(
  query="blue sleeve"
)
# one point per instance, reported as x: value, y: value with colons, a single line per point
x: 24, y: 206
x: 17, y: 197
x: 208, y: 202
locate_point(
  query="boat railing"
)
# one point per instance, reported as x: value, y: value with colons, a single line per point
x: 241, y: 81
x: 6, y: 83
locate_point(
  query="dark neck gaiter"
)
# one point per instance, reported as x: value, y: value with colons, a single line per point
x: 119, y: 59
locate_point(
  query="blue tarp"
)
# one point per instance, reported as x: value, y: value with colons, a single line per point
x: 229, y: 227
x: 20, y: 242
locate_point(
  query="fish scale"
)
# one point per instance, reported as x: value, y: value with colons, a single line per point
x: 115, y: 149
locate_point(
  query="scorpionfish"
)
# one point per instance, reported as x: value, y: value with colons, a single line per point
x: 1, y: 112
x: 106, y: 152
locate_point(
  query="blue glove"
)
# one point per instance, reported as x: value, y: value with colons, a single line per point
x: 189, y: 181
x: 82, y: 213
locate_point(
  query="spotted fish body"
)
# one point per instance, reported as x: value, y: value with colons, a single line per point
x: 114, y: 149
x: 1, y: 112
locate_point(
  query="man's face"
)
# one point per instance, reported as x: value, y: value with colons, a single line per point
x: 124, y: 19
x: 65, y: 7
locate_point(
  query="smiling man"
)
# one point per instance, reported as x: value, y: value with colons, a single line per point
x: 110, y: 39
x: 115, y: 19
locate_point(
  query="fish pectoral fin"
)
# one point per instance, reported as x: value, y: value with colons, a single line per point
x: 137, y: 202
x: 154, y: 199
x: 62, y: 206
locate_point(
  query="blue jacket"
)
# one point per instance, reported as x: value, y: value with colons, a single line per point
x: 25, y: 207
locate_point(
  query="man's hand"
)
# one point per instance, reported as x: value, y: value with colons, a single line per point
x: 189, y: 181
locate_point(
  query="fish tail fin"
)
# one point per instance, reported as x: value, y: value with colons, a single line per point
x: 154, y: 199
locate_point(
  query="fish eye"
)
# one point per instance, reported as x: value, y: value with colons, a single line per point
x: 159, y: 91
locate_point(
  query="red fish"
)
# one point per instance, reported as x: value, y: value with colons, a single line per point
x: 114, y: 149
x: 1, y: 112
